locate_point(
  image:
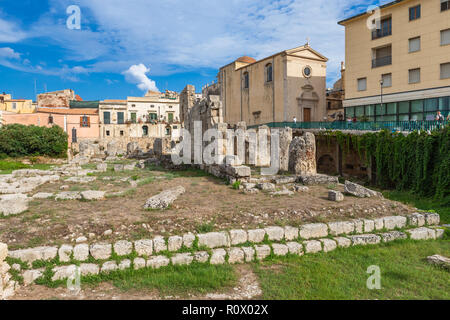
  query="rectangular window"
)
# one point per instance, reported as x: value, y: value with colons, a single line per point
x: 414, y: 75
x: 414, y: 44
x: 382, y: 56
x: 170, y: 117
x: 350, y: 112
x: 417, y: 117
x: 120, y: 118
x: 385, y: 29
x: 403, y: 107
x: 362, y: 84
x: 417, y: 106
x: 246, y: 81
x: 445, y: 5
x: 445, y: 70
x: 14, y: 106
x: 391, y: 108
x: 370, y: 110
x: 381, y: 109
x: 387, y: 80
x: 431, y: 105
x: 153, y: 116
x: 445, y: 37
x: 414, y: 13
x: 133, y: 117
x: 444, y: 103
x: 269, y: 73
x: 107, y: 117
x: 359, y: 111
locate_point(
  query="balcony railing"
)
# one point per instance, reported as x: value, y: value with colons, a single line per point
x: 379, y: 62
x: 380, y: 33
x: 403, y: 126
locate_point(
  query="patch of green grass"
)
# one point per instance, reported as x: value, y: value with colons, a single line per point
x: 236, y: 185
x: 342, y: 274
x: 205, y: 227
x: 428, y: 204
x: 195, y: 278
x: 35, y: 242
x: 8, y: 166
x: 146, y: 181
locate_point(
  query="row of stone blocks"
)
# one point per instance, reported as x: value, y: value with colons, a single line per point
x: 213, y: 240
x: 236, y: 255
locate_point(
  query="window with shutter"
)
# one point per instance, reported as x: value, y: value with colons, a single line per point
x: 414, y: 13
x: 414, y: 75
x: 445, y: 37
x: 414, y: 44
x: 445, y: 5
x: 445, y: 70
x: 387, y: 80
x: 107, y: 117
x: 362, y: 84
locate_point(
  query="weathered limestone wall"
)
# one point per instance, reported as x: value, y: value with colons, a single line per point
x: 233, y: 247
x: 7, y: 285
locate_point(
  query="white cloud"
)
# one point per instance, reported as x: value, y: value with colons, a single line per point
x: 10, y: 32
x: 177, y: 36
x: 137, y: 74
x: 9, y: 53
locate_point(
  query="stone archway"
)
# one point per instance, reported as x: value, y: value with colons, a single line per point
x: 308, y: 102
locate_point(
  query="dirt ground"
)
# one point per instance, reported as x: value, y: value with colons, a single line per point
x: 246, y: 288
x: 208, y: 205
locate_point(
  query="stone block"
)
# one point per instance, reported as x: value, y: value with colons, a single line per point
x: 290, y: 233
x: 65, y: 252
x: 341, y: 227
x: 214, y: 240
x: 30, y: 276
x: 236, y: 255
x: 238, y: 237
x: 312, y: 246
x: 369, y: 225
x: 109, y: 266
x: 432, y: 219
x: 144, y: 247
x: 343, y: 242
x: 188, y: 240
x: 249, y: 253
x: 175, y: 243
x: 280, y: 249
x: 416, y: 220
x: 314, y: 230
x: 256, y: 235
x: 158, y: 262
x: 390, y: 223
x: 81, y: 252
x: 335, y: 196
x: 422, y: 234
x: 182, y: 259
x: 328, y: 245
x: 365, y: 239
x: 101, y: 251
x: 275, y: 233
x: 123, y: 248
x: 295, y: 248
x: 201, y: 256
x: 262, y: 252
x: 89, y: 269
x: 159, y: 244
x: 218, y: 256
x: 393, y: 235
x: 139, y: 263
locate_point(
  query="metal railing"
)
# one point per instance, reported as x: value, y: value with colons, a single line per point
x: 404, y: 126
x: 379, y: 62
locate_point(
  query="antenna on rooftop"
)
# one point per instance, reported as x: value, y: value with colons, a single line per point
x: 307, y: 41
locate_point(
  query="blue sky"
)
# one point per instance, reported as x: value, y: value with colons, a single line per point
x: 126, y: 47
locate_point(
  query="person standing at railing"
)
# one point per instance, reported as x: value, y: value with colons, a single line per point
x: 439, y: 118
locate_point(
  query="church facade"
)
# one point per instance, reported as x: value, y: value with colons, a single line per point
x: 285, y: 86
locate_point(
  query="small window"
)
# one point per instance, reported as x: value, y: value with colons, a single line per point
x: 108, y: 133
x: 152, y: 106
x: 445, y: 37
x: 144, y: 131
x: 445, y: 5
x: 307, y: 72
x: 362, y: 84
x: 85, y: 122
x: 121, y: 133
x: 120, y: 118
x: 133, y: 117
x: 414, y: 13
x: 14, y: 105
x: 168, y: 131
x: 170, y: 107
x: 246, y: 80
x: 445, y: 70
x: 414, y: 75
x: 133, y: 106
x: 107, y: 117
x: 153, y: 116
x: 387, y: 80
x: 50, y: 119
x: 414, y: 44
x: 269, y: 73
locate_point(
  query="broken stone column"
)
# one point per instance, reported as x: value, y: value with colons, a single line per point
x: 285, y: 142
x: 302, y: 155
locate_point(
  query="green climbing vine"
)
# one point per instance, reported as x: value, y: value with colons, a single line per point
x: 419, y: 162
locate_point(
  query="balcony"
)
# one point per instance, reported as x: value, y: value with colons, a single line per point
x: 383, y: 61
x: 380, y: 33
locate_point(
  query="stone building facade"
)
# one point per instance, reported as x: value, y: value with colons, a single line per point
x: 287, y: 85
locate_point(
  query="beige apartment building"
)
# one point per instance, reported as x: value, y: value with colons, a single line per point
x: 287, y: 85
x: 399, y: 70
